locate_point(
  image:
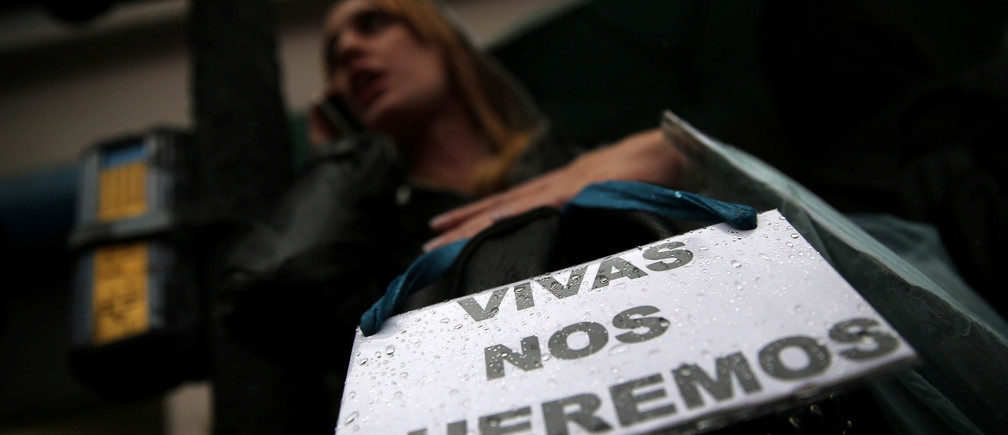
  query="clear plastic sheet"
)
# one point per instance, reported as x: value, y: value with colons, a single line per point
x: 961, y: 384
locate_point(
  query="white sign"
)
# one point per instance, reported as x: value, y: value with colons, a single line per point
x: 704, y: 324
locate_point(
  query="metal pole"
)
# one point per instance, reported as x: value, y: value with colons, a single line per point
x: 243, y: 158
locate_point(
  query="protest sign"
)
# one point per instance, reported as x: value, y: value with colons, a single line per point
x: 702, y: 326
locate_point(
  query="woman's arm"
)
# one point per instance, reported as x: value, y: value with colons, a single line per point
x: 645, y: 156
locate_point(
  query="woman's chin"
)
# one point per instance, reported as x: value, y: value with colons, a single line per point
x: 387, y: 120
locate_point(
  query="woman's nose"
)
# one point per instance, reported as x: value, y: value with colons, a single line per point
x: 349, y: 47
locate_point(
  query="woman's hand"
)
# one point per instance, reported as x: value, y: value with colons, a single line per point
x: 646, y: 157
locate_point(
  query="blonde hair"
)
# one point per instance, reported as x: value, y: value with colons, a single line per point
x: 497, y: 104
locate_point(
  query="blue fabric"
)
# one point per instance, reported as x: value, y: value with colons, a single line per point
x: 422, y: 272
x: 673, y: 204
x: 615, y: 195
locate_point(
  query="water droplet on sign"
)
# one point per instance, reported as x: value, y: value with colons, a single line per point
x: 736, y: 264
x: 351, y: 418
x: 389, y: 350
x: 493, y: 421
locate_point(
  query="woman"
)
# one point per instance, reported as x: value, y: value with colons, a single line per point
x: 358, y: 215
x: 404, y: 71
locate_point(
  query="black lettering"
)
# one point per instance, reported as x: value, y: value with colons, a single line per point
x: 457, y: 428
x: 454, y: 428
x: 623, y: 268
x: 856, y: 331
x: 584, y: 416
x: 529, y: 359
x: 479, y: 313
x: 523, y: 296
x: 818, y: 356
x: 666, y: 251
x: 627, y: 320
x: 560, y: 290
x: 494, y: 424
x: 626, y: 402
x: 597, y: 339
x: 687, y: 376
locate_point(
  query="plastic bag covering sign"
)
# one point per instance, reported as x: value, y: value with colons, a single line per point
x: 711, y: 323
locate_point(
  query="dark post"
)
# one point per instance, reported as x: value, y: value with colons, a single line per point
x: 243, y: 158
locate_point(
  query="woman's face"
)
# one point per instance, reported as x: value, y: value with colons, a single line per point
x: 388, y: 77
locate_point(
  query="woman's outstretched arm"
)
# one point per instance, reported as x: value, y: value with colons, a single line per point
x: 646, y: 156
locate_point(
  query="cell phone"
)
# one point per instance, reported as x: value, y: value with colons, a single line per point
x: 336, y: 112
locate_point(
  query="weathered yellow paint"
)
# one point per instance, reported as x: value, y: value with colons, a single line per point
x: 120, y: 292
x: 121, y: 191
